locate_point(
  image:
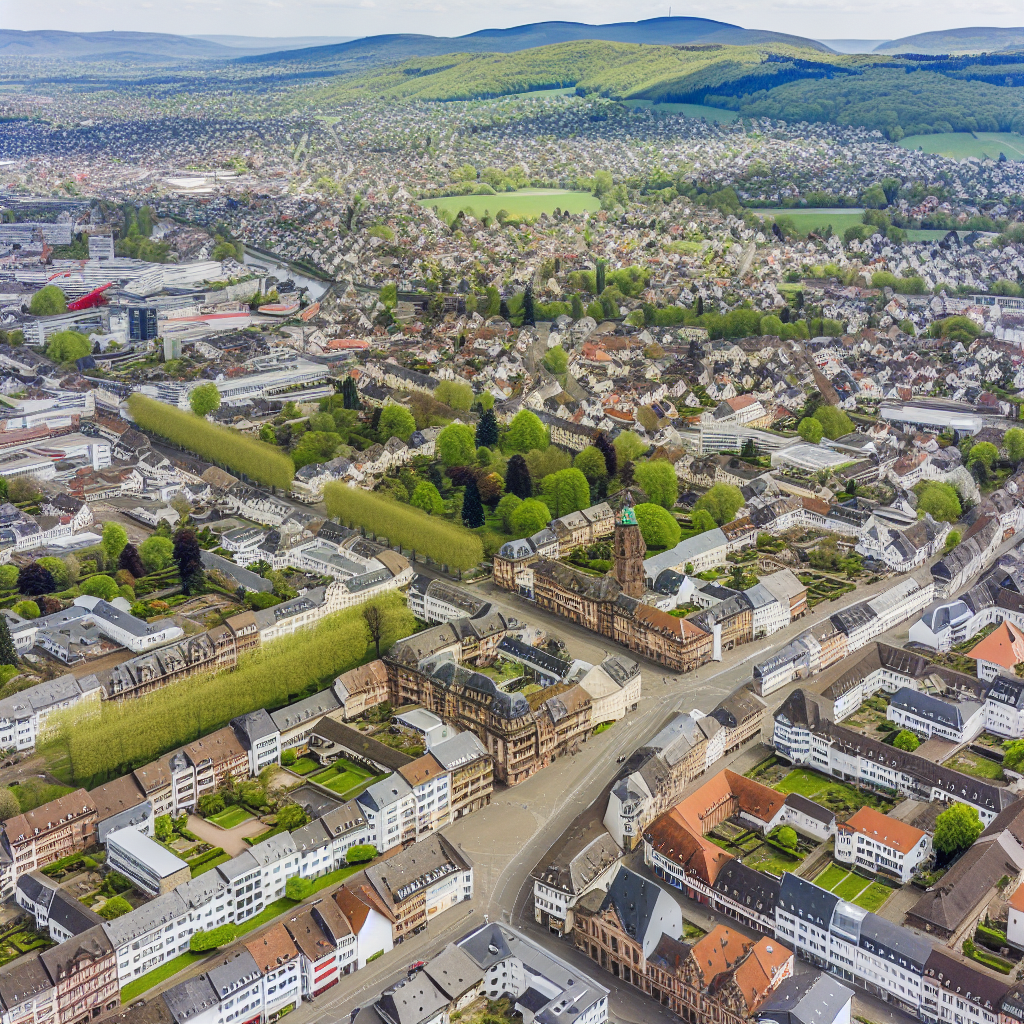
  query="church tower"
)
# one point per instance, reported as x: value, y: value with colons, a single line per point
x: 629, y: 553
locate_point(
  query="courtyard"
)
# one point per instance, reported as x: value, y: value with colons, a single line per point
x: 855, y: 889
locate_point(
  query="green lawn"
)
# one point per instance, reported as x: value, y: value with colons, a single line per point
x: 767, y: 858
x: 976, y: 765
x: 344, y: 777
x: 853, y: 888
x: 527, y: 202
x: 230, y: 817
x: 222, y: 859
x: 817, y: 220
x: 960, y: 145
x: 718, y: 114
x: 303, y: 766
x: 831, y: 877
x: 874, y: 896
x: 844, y: 800
x: 134, y: 989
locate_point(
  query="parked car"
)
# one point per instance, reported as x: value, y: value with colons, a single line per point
x: 417, y: 967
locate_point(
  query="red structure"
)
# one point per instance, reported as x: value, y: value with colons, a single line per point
x: 90, y: 301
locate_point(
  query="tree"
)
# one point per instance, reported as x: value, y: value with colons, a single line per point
x: 565, y: 491
x: 721, y: 502
x: 629, y: 447
x: 1013, y: 757
x: 529, y: 311
x: 116, y: 906
x: 599, y: 273
x: 590, y: 462
x: 1013, y: 441
x: 58, y: 570
x: 374, y: 617
x: 517, y: 478
x: 658, y: 479
x: 472, y: 507
x: 956, y: 828
x: 162, y: 827
x: 214, y: 938
x: 456, y: 394
x: 156, y: 553
x: 115, y: 537
x: 26, y: 609
x: 130, y: 561
x: 210, y: 804
x: 456, y: 445
x: 189, y: 560
x: 506, y: 506
x: 647, y: 418
x: 33, y: 579
x: 67, y: 346
x: 529, y: 518
x: 350, y: 394
x: 526, y: 433
x: 556, y: 361
x: 659, y: 528
x: 487, y: 430
x: 8, y: 804
x: 906, y: 740
x: 952, y: 539
x: 939, y: 500
x: 607, y: 449
x: 8, y: 655
x: 810, y: 429
x: 360, y: 853
x: 8, y: 577
x: 834, y: 422
x: 292, y: 816
x: 204, y: 399
x: 427, y: 497
x: 240, y: 453
x: 298, y: 888
x: 395, y: 421
x: 48, y: 301
x: 985, y: 452
x: 101, y: 586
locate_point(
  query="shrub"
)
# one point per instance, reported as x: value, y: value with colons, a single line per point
x: 116, y: 906
x: 906, y: 740
x: 203, y: 942
x: 297, y: 888
x: 361, y: 853
x: 100, y: 586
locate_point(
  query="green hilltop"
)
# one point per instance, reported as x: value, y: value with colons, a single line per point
x: 897, y: 95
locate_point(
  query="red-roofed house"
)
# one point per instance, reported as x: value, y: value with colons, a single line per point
x: 882, y: 845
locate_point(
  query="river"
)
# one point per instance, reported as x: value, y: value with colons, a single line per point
x: 284, y: 271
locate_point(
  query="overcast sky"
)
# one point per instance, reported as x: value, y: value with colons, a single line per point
x: 819, y: 19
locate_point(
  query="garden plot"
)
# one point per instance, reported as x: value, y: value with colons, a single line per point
x: 862, y: 892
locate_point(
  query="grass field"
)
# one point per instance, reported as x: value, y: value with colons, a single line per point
x: 344, y: 778
x: 230, y: 817
x: 974, y: 764
x: 852, y: 888
x: 837, y: 796
x: 688, y: 110
x: 960, y: 145
x: 817, y: 220
x: 527, y: 202
x: 303, y: 766
x: 134, y: 989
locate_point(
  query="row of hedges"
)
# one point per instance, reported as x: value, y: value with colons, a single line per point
x: 405, y: 526
x: 123, y: 736
x: 220, y: 445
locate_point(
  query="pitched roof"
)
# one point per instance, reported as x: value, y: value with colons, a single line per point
x: 897, y: 835
x: 1004, y: 646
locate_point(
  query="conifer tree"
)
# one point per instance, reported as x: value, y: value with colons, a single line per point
x: 8, y: 655
x: 189, y: 560
x: 487, y: 430
x: 607, y: 449
x: 472, y: 507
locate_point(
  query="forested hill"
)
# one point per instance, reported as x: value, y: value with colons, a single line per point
x: 655, y: 31
x: 897, y: 95
x: 957, y: 40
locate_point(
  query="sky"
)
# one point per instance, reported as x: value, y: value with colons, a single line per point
x: 817, y: 19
